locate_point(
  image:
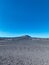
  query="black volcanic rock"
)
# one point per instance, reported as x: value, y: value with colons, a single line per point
x: 25, y: 37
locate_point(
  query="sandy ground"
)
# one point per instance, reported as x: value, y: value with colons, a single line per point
x: 33, y: 54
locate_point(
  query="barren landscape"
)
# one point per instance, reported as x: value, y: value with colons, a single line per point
x: 24, y: 50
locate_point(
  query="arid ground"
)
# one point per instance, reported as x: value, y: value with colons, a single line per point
x: 24, y: 51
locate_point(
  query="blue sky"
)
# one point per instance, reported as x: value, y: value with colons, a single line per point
x: 20, y: 17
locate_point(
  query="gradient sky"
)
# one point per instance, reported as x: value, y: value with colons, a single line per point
x: 19, y: 17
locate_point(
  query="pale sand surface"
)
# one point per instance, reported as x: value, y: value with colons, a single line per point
x: 24, y: 53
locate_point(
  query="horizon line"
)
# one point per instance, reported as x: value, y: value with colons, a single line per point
x: 21, y: 36
x: 36, y: 35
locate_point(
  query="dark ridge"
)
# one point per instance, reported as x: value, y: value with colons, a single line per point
x: 25, y: 37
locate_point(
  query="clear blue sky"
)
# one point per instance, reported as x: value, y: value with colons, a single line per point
x: 19, y: 17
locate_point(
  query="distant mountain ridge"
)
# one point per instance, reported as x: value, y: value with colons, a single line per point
x: 23, y: 40
x: 16, y: 38
x: 25, y: 37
